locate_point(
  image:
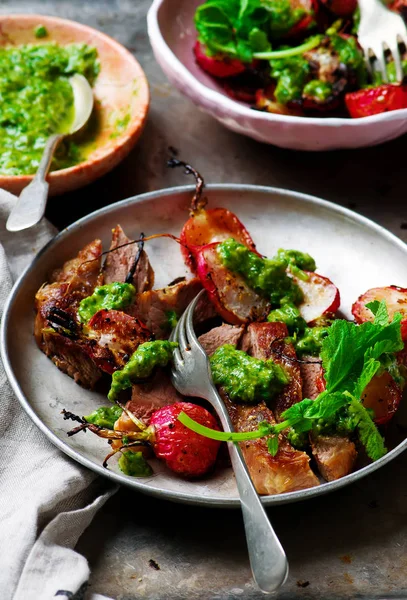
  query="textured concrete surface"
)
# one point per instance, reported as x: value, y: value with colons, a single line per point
x: 351, y: 544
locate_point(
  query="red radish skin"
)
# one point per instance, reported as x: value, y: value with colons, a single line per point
x: 209, y: 226
x: 217, y: 66
x: 321, y: 297
x: 185, y: 452
x: 233, y: 299
x: 383, y: 396
x: 373, y: 101
x: 396, y: 302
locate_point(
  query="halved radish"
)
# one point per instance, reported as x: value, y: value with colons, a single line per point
x: 321, y: 297
x: 396, y: 302
x: 234, y: 300
x: 217, y: 66
x: 209, y: 226
x: 383, y: 396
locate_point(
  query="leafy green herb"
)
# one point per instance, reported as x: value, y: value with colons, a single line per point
x: 272, y: 445
x: 367, y: 430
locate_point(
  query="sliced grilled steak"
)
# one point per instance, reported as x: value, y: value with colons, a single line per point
x: 115, y: 336
x: 311, y: 376
x: 335, y: 455
x: 118, y: 264
x: 71, y: 357
x: 288, y: 471
x: 56, y: 325
x: 155, y: 306
x: 267, y: 340
x: 218, y: 336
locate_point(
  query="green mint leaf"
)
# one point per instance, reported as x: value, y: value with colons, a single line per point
x: 379, y: 309
x: 272, y: 445
x: 326, y: 406
x: 370, y: 368
x: 367, y: 430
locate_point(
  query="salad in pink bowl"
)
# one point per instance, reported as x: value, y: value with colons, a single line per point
x: 285, y: 72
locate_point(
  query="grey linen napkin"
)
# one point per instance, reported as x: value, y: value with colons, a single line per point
x: 46, y: 499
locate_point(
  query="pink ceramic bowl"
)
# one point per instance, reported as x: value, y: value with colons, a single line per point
x: 121, y: 98
x: 172, y: 36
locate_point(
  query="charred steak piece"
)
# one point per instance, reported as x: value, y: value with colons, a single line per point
x: 120, y: 263
x: 56, y: 328
x: 155, y: 307
x: 113, y: 337
x: 287, y: 471
x: 219, y: 336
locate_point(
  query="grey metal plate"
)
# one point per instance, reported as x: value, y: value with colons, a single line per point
x: 353, y: 251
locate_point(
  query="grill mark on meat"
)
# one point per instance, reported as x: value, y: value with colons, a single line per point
x: 119, y: 264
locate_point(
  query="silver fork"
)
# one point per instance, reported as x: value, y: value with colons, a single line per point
x: 380, y: 27
x: 191, y: 376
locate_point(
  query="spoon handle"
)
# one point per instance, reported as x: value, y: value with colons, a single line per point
x: 30, y: 206
x: 267, y: 557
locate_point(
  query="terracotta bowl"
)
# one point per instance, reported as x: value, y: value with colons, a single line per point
x: 121, y: 98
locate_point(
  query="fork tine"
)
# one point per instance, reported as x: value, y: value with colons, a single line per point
x: 189, y: 322
x: 368, y: 61
x: 182, y: 338
x: 177, y: 358
x: 380, y: 64
x: 397, y: 61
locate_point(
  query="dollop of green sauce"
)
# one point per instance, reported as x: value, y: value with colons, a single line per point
x: 291, y: 75
x: 104, y: 416
x: 134, y: 464
x: 289, y: 314
x: 318, y: 90
x: 141, y: 364
x: 309, y: 341
x: 40, y: 32
x: 37, y: 101
x: 244, y: 378
x: 112, y: 296
x: 266, y: 276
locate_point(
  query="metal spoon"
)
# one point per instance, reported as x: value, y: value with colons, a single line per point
x: 30, y: 206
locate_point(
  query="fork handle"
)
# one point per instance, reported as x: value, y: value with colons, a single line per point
x: 267, y: 558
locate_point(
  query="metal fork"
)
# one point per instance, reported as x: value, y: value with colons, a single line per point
x: 191, y: 376
x: 380, y: 28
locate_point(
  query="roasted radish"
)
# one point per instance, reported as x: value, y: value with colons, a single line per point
x: 207, y: 226
x: 396, y: 302
x: 383, y: 396
x: 185, y: 452
x: 217, y: 66
x: 234, y: 300
x: 321, y: 297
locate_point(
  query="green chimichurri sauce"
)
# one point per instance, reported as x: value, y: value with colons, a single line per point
x: 244, y: 378
x: 266, y: 276
x: 104, y: 416
x: 141, y: 364
x: 134, y: 464
x: 290, y: 315
x: 309, y: 341
x: 320, y: 91
x: 112, y: 296
x: 37, y: 101
x: 291, y: 75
